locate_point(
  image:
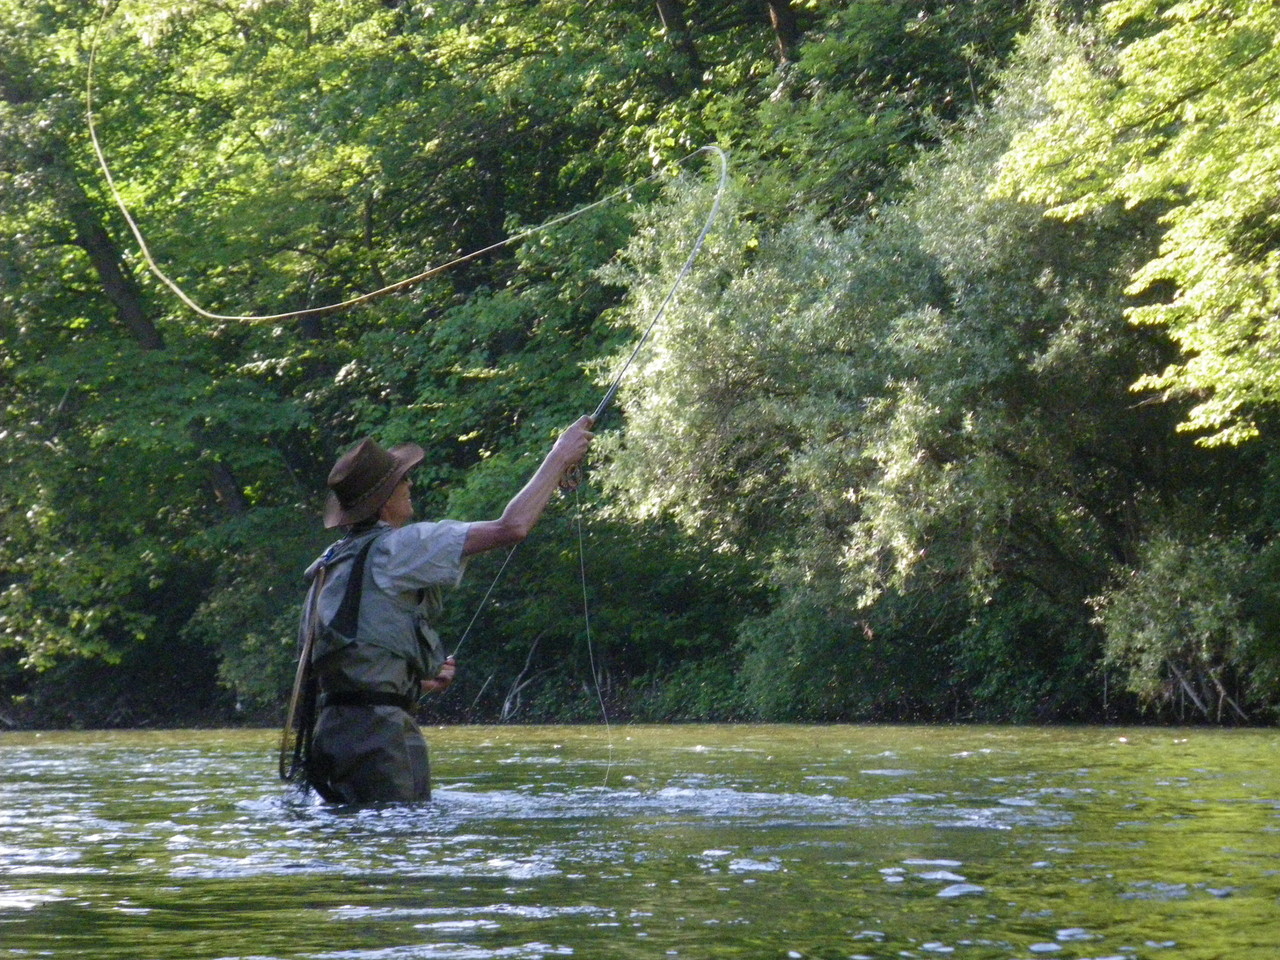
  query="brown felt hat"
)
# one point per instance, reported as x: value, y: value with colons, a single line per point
x: 364, y: 478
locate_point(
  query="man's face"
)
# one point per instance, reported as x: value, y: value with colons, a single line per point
x: 398, y: 510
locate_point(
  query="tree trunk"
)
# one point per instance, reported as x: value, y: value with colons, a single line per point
x: 18, y: 87
x: 1190, y: 692
x: 226, y: 491
x: 126, y: 297
x: 119, y: 286
x: 677, y: 28
x: 786, y: 31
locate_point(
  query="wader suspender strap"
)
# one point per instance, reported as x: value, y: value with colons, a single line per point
x: 345, y: 622
x: 348, y: 615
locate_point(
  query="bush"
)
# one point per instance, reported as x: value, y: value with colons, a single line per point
x: 1179, y: 627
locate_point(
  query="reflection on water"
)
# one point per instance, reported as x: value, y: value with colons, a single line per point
x: 703, y: 842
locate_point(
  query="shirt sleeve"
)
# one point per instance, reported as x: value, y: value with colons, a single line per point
x: 420, y: 555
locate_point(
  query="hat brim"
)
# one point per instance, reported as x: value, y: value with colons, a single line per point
x: 407, y: 456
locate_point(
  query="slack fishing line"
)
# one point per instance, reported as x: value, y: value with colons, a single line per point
x: 586, y: 620
x: 399, y: 285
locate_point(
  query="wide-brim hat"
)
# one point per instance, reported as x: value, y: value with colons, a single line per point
x: 364, y: 478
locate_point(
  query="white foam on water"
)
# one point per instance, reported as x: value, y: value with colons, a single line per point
x: 961, y: 890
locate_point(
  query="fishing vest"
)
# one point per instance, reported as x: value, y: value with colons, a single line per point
x: 369, y: 639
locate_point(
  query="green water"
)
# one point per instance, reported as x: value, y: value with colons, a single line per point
x: 698, y: 841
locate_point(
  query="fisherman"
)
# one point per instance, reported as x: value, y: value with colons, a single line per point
x: 373, y: 595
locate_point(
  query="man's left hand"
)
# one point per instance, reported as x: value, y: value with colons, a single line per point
x: 441, y: 681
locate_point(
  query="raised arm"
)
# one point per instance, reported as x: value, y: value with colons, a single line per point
x: 526, y: 506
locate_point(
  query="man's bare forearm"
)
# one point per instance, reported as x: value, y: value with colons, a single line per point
x: 526, y: 507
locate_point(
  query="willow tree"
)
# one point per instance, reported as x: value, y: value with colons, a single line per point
x: 921, y: 428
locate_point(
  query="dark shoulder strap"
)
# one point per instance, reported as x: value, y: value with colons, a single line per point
x: 348, y: 615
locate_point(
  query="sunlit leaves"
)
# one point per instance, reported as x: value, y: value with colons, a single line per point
x: 1174, y: 106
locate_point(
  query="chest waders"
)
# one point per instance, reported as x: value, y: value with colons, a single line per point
x: 306, y: 700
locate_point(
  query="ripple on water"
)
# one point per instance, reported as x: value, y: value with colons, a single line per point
x: 515, y: 910
x: 28, y: 899
x: 961, y: 890
x: 406, y: 840
x: 455, y: 809
x: 448, y: 951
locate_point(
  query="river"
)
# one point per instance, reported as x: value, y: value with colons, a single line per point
x: 702, y: 842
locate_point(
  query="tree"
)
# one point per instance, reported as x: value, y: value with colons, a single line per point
x: 920, y: 427
x: 278, y: 158
x: 671, y: 12
x: 1172, y: 107
x: 1181, y: 632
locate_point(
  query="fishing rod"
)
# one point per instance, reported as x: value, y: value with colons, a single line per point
x: 607, y: 400
x: 295, y: 737
x: 572, y: 478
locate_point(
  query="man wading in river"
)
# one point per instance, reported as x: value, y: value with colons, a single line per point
x: 372, y: 595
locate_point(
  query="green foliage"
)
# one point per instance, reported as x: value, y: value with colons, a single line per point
x: 1172, y: 107
x: 816, y: 658
x: 1179, y: 628
x: 872, y: 83
x: 658, y: 613
x: 930, y: 403
x: 703, y: 691
x: 249, y: 609
x: 1024, y: 658
x: 876, y: 461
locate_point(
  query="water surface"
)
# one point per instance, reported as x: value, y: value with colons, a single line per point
x: 688, y: 841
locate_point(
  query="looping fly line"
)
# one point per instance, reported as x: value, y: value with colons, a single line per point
x: 408, y: 281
